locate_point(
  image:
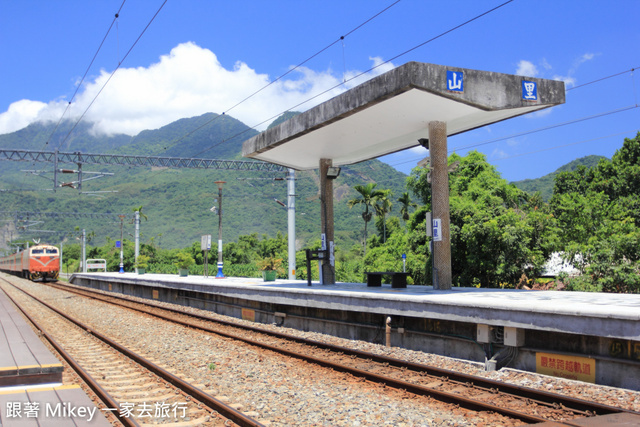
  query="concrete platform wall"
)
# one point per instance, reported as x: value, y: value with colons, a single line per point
x: 438, y: 336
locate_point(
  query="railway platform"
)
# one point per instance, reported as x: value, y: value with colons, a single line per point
x: 582, y: 336
x: 24, y: 359
x: 49, y: 406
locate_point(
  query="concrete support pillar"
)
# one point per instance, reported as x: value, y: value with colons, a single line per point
x: 291, y: 220
x: 326, y: 218
x: 440, y: 203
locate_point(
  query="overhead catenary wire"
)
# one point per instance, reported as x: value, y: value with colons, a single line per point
x: 224, y: 113
x: 578, y: 120
x: 342, y: 38
x: 292, y: 69
x: 602, y: 79
x: 557, y: 125
x: 270, y: 119
x: 113, y: 72
x: 79, y: 85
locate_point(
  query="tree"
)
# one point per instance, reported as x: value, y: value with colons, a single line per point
x: 382, y: 207
x: 139, y: 210
x: 368, y: 196
x: 493, y: 238
x: 406, y: 202
x: 598, y: 214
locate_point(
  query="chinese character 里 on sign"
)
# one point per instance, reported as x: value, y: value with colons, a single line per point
x: 529, y: 91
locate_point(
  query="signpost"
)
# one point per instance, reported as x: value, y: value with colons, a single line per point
x: 205, y: 245
x: 437, y: 230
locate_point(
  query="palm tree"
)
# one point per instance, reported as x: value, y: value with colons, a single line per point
x: 139, y: 210
x: 368, y: 196
x: 406, y: 204
x: 383, y: 207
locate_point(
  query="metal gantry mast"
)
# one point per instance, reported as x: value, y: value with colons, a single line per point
x: 127, y: 160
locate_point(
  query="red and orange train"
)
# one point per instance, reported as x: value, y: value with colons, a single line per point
x: 36, y: 262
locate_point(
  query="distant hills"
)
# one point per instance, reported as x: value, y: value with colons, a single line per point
x: 177, y: 201
x: 545, y: 183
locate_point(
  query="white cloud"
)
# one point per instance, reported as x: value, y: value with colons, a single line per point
x: 526, y: 68
x: 187, y: 82
x: 586, y: 57
x: 568, y: 80
x: 22, y: 113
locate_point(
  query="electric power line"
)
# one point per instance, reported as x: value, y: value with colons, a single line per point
x: 341, y: 38
x: 359, y: 75
x: 113, y: 73
x: 85, y: 75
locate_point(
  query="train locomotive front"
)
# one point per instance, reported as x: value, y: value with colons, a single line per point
x: 36, y: 262
x: 43, y: 262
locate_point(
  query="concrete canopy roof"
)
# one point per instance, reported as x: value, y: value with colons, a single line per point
x: 392, y: 111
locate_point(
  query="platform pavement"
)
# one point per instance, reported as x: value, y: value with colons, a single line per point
x: 24, y: 359
x: 599, y: 314
x: 50, y: 406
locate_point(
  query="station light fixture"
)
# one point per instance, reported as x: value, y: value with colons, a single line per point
x: 333, y: 172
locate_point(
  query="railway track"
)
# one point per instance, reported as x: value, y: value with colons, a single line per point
x: 134, y: 390
x: 476, y: 393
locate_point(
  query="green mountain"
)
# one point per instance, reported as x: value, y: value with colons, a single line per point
x: 49, y: 137
x: 545, y: 183
x: 177, y: 202
x: 210, y: 136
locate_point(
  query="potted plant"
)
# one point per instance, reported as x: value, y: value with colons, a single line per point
x: 270, y: 267
x: 142, y: 263
x: 184, y: 261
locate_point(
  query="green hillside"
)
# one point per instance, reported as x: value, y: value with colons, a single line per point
x: 210, y: 136
x: 545, y: 183
x: 178, y: 201
x: 46, y: 137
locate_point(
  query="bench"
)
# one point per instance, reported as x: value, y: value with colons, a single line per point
x: 398, y: 279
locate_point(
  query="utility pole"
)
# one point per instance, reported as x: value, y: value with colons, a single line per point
x: 84, y: 251
x: 137, y: 237
x: 220, y: 275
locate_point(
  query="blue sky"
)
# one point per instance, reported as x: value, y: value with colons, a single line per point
x: 201, y: 56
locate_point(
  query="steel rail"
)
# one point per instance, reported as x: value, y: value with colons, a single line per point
x: 219, y: 406
x: 398, y: 384
x: 538, y: 396
x: 102, y: 394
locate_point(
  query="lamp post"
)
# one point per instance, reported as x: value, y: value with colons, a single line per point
x: 219, y: 184
x: 84, y: 251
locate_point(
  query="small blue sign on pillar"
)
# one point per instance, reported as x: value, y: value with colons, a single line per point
x: 455, y: 81
x: 118, y: 244
x: 437, y: 230
x: 529, y: 90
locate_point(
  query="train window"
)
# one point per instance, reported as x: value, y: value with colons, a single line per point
x: 37, y: 251
x: 52, y: 251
